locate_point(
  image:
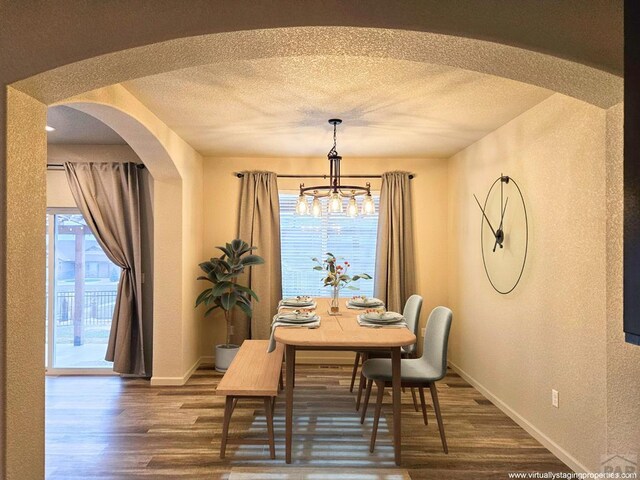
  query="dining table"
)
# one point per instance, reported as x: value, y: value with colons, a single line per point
x: 341, y: 331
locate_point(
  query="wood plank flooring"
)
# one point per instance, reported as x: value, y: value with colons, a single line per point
x: 112, y: 428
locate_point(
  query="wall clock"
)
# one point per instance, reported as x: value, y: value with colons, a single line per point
x: 504, y: 234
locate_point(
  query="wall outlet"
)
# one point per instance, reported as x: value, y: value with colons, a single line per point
x: 555, y: 398
x: 423, y: 331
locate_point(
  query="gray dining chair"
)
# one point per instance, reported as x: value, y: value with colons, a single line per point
x: 411, y: 314
x: 415, y: 372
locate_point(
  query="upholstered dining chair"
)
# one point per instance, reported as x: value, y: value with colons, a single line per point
x: 411, y: 314
x: 419, y: 373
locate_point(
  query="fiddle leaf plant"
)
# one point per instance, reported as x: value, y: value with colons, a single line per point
x: 225, y: 292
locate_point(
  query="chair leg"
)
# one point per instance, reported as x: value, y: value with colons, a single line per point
x: 415, y: 400
x: 424, y: 406
x: 436, y: 407
x: 376, y: 417
x: 356, y: 363
x: 228, y: 410
x: 280, y: 381
x: 366, y: 400
x: 268, y: 412
x: 363, y: 380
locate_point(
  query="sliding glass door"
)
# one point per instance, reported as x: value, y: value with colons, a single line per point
x: 81, y: 295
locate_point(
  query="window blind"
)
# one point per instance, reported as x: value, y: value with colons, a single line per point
x: 305, y: 237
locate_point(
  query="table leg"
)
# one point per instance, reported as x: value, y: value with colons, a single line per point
x: 395, y: 385
x: 290, y: 360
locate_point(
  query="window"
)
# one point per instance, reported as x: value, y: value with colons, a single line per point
x: 305, y: 237
x: 81, y: 294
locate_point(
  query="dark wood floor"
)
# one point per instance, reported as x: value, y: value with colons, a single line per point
x: 112, y: 428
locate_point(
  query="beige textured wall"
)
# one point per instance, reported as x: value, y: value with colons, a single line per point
x: 221, y: 198
x: 24, y: 300
x: 623, y: 359
x: 551, y: 331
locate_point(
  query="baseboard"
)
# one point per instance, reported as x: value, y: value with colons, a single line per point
x: 553, y: 447
x: 175, y: 381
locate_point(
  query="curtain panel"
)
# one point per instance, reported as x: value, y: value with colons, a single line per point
x: 108, y: 196
x: 259, y: 226
x: 395, y: 260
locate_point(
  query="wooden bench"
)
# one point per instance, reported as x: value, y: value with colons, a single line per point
x: 254, y: 373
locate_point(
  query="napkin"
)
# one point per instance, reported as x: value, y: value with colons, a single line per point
x: 288, y: 320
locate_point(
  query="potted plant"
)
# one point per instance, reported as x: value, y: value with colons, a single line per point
x: 336, y: 277
x: 226, y: 293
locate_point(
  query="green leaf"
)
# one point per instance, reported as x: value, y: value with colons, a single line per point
x: 244, y: 289
x: 225, y: 250
x: 228, y: 300
x: 366, y: 276
x: 220, y: 288
x: 203, y: 296
x: 351, y: 287
x: 315, y: 259
x: 246, y: 309
x: 318, y: 267
x: 355, y: 277
x: 206, y: 267
x: 242, y: 298
x: 252, y: 260
x: 237, y: 245
x: 211, y: 310
x: 204, y: 278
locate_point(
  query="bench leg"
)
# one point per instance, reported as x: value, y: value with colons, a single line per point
x: 268, y: 411
x: 228, y: 410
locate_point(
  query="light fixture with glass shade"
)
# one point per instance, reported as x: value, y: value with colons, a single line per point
x: 335, y: 191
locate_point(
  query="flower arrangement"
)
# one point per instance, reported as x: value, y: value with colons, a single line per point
x: 337, y: 277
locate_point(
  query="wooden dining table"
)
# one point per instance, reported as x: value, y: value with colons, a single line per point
x: 342, y: 332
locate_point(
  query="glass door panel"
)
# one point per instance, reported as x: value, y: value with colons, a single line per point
x: 83, y: 295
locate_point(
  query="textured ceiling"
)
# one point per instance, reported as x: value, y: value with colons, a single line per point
x: 280, y: 106
x: 74, y: 127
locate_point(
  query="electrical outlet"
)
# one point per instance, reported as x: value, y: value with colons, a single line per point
x: 555, y: 398
x: 423, y: 331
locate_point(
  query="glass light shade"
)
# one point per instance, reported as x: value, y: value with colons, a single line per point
x: 316, y: 207
x: 352, y: 207
x: 302, y: 207
x: 368, y: 207
x: 335, y: 202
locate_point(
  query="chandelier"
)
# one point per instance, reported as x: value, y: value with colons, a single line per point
x: 335, y: 191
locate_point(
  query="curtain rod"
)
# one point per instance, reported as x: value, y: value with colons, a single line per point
x: 241, y: 175
x: 60, y: 166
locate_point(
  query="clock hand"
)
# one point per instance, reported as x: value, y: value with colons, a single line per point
x: 500, y: 231
x: 485, y: 216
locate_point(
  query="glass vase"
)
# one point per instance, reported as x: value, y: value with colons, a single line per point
x: 335, y: 300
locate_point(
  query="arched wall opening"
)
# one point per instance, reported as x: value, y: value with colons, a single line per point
x: 26, y: 154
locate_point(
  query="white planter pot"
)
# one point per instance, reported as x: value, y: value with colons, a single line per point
x: 224, y: 356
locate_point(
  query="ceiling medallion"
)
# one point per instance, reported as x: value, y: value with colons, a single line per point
x: 335, y: 191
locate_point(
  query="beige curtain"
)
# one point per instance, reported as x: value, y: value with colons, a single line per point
x: 259, y: 226
x: 395, y: 262
x: 108, y: 196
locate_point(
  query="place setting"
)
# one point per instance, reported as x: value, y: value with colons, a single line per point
x: 379, y: 318
x: 362, y: 302
x: 294, y: 312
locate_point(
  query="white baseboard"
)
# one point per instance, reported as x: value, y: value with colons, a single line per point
x: 553, y: 447
x: 175, y: 381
